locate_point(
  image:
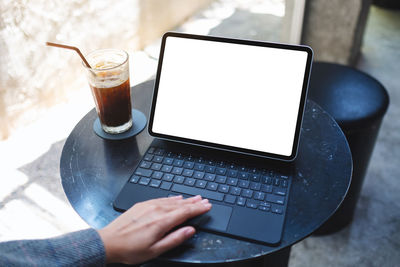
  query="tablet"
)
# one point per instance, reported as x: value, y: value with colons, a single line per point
x: 239, y: 95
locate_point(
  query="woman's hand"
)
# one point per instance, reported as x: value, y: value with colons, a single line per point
x: 142, y: 232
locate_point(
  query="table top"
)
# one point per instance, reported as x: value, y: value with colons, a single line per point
x: 94, y: 170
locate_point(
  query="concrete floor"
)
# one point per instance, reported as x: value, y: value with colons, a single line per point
x: 33, y: 204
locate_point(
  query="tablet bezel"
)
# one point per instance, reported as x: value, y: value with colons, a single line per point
x: 293, y: 154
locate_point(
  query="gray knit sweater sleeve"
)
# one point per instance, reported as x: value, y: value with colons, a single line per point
x: 81, y: 248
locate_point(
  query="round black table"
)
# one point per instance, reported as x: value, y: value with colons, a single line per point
x: 94, y: 170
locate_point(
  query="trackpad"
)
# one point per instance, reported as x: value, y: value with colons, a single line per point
x: 216, y: 219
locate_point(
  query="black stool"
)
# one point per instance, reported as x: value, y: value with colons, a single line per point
x: 358, y: 103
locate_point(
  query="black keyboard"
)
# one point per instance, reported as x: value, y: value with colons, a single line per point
x: 226, y: 182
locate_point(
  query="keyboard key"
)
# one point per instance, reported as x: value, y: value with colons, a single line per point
x: 244, y: 184
x: 284, y: 183
x: 255, y: 186
x: 166, y: 168
x: 145, y: 164
x: 247, y: 193
x: 255, y: 177
x: 253, y: 170
x: 259, y: 196
x: 148, y: 157
x: 265, y: 204
x: 232, y: 173
x: 199, y: 160
x: 135, y: 179
x: 179, y: 179
x: 275, y: 199
x: 280, y: 191
x: 220, y: 171
x: 223, y: 188
x: 212, y: 186
x: 166, y: 185
x: 232, y: 181
x: 232, y: 166
x: 187, y: 173
x: 220, y: 179
x: 157, y: 175
x: 252, y: 204
x: 197, y: 191
x: 201, y: 184
x: 177, y: 170
x: 209, y: 169
x: 243, y: 175
x: 277, y: 209
x: 242, y: 168
x: 143, y: 172
x: 220, y: 164
x: 209, y: 177
x: 158, y: 159
x: 170, y: 154
x: 199, y: 167
x: 266, y: 188
x: 180, y: 156
x: 168, y: 161
x: 188, y: 165
x: 266, y: 179
x: 156, y: 166
x: 198, y: 175
x: 178, y: 163
x: 284, y: 176
x: 155, y: 183
x: 159, y: 151
x: 210, y: 162
x: 190, y: 181
x: 236, y: 191
x: 264, y: 208
x: 151, y: 150
x: 241, y: 201
x: 144, y: 181
x: 168, y: 177
x: 276, y: 182
x: 270, y: 174
x: 230, y: 199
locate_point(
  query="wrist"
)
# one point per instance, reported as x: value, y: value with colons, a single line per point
x: 106, y: 238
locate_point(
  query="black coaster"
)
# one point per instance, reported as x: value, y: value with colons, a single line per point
x: 139, y: 123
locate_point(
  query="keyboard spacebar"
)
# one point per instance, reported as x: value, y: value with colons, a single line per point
x: 195, y: 191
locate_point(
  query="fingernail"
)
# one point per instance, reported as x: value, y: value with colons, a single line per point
x: 189, y: 231
x: 207, y: 205
x: 204, y: 201
x: 197, y: 197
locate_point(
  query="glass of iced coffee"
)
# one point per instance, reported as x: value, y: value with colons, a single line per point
x: 109, y: 81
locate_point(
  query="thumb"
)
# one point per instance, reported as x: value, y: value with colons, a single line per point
x: 173, y: 239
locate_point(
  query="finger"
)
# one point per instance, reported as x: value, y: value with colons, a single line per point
x: 175, y: 200
x: 165, y: 200
x: 158, y: 201
x: 192, y: 199
x: 173, y: 239
x: 182, y: 214
x: 155, y: 207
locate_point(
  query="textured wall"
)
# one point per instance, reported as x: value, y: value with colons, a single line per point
x: 334, y: 29
x: 33, y: 76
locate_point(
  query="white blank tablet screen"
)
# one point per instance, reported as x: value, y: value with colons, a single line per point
x: 230, y: 94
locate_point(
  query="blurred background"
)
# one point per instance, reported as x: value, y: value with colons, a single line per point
x: 44, y: 94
